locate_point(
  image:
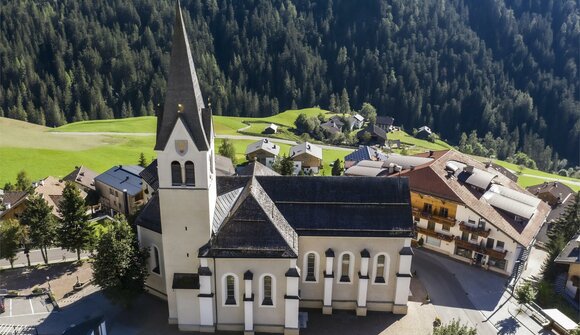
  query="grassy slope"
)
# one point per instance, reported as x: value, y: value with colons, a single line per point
x: 41, y: 152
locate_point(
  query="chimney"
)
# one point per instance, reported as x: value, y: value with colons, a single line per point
x: 430, y: 153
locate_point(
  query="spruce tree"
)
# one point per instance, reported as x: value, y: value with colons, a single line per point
x: 75, y: 232
x: 23, y: 182
x: 228, y: 150
x: 119, y: 265
x: 337, y: 168
x: 142, y: 160
x: 42, y: 227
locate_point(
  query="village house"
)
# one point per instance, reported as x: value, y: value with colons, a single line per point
x: 473, y: 213
x: 385, y: 123
x: 49, y: 188
x: 83, y: 177
x: 309, y: 156
x: 120, y: 189
x: 570, y: 256
x: 423, y: 133
x: 558, y: 196
x: 376, y: 135
x: 271, y: 129
x: 245, y: 253
x: 262, y: 151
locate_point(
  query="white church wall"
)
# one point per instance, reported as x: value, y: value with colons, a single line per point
x: 154, y: 282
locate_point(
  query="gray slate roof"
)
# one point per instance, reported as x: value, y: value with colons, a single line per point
x: 183, y: 89
x: 149, y: 175
x: 122, y: 177
x: 150, y: 216
x: 82, y: 176
x: 385, y: 120
x: 256, y: 168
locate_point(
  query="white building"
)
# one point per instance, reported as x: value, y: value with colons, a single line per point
x: 245, y: 253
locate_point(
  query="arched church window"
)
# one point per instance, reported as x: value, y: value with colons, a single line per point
x: 176, y: 178
x: 189, y: 174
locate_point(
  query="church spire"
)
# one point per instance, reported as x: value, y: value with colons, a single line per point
x: 183, y: 98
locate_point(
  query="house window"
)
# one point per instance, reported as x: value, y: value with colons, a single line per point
x: 311, y: 267
x: 497, y: 263
x: 431, y: 225
x: 433, y: 241
x: 189, y: 174
x: 156, y: 265
x: 111, y: 192
x: 176, y: 178
x: 464, y: 252
x: 499, y: 245
x: 345, y: 267
x: 230, y: 288
x: 489, y: 243
x: 443, y: 212
x: 266, y: 291
x: 381, y: 266
x: 464, y: 236
x: 445, y: 227
x: 427, y: 208
x: 473, y: 238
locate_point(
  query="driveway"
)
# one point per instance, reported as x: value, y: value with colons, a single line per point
x: 473, y: 295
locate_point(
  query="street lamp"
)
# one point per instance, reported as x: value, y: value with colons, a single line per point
x: 48, y: 281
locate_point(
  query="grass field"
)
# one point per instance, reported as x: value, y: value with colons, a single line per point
x: 43, y: 151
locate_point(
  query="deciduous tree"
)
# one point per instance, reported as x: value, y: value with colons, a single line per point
x: 11, y: 236
x: 42, y: 226
x: 75, y: 232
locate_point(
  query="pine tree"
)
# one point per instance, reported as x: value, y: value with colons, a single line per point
x: 42, y: 227
x: 227, y: 149
x: 337, y: 168
x: 119, y: 265
x: 142, y: 160
x: 344, y: 102
x: 284, y: 165
x: 12, y: 233
x: 333, y: 107
x: 23, y: 182
x: 75, y: 232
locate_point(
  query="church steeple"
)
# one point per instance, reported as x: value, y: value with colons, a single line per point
x: 183, y: 99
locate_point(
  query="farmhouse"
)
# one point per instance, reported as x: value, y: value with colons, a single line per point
x: 385, y: 122
x: 375, y: 135
x: 271, y: 129
x: 423, y: 133
x: 262, y: 151
x: 120, y: 189
x: 244, y: 253
x: 83, y: 177
x: 309, y: 155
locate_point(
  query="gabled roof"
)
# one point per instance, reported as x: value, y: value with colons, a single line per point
x: 265, y: 145
x: 425, y: 129
x: 183, y: 99
x: 385, y: 120
x: 14, y: 197
x: 374, y: 131
x: 150, y: 216
x: 149, y: 175
x: 252, y: 227
x: 224, y: 166
x: 122, y: 177
x: 336, y: 120
x: 256, y: 168
x: 367, y: 168
x: 437, y: 179
x: 506, y: 172
x: 306, y: 148
x: 358, y: 117
x: 571, y: 252
x: 365, y: 152
x: 82, y: 176
x: 50, y: 189
x: 561, y: 193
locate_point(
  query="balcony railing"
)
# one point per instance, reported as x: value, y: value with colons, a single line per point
x: 480, y: 249
x: 474, y: 230
x: 434, y: 216
x: 435, y: 234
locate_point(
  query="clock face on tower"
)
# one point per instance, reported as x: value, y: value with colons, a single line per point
x: 181, y: 147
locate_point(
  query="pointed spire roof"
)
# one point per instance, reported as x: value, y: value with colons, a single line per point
x: 183, y: 99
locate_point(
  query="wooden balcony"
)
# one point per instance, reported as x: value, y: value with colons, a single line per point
x: 432, y: 233
x: 474, y: 230
x: 482, y: 250
x: 434, y: 217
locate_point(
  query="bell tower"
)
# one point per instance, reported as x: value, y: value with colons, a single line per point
x: 186, y: 169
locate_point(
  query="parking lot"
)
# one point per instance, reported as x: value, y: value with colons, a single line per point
x: 24, y: 307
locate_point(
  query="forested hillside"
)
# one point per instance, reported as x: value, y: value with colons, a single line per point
x: 505, y: 68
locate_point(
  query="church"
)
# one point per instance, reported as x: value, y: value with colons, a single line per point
x: 249, y: 253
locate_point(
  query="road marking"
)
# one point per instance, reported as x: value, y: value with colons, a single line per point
x: 10, y: 300
x: 32, y: 308
x: 15, y: 316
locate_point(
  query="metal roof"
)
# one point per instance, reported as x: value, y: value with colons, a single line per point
x: 122, y: 177
x: 363, y: 170
x: 265, y: 145
x: 308, y: 148
x: 471, y: 175
x: 511, y: 201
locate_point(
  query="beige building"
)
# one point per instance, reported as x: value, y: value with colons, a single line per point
x: 570, y: 256
x: 471, y: 212
x: 121, y: 189
x: 309, y: 156
x: 245, y: 253
x: 262, y: 151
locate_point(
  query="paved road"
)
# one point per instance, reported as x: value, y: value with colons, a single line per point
x: 475, y: 295
x: 446, y: 293
x: 54, y: 255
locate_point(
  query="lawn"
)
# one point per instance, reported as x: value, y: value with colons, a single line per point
x: 410, y: 140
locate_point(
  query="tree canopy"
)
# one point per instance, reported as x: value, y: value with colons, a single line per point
x: 506, y: 67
